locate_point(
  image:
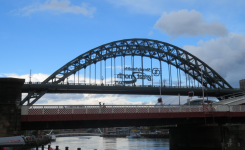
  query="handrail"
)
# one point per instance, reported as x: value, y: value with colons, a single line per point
x: 129, y: 85
x: 233, y: 95
x: 116, y: 109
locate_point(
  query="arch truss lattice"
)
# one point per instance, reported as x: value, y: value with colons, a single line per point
x: 164, y: 52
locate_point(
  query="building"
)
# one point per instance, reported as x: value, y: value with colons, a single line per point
x: 242, y: 84
x: 122, y: 130
x: 10, y: 112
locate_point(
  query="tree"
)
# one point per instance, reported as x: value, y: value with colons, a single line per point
x: 34, y: 132
x: 152, y: 128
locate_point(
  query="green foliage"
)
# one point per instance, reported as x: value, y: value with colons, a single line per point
x: 55, y: 132
x: 153, y: 128
x: 22, y: 132
x: 45, y: 132
x: 34, y: 132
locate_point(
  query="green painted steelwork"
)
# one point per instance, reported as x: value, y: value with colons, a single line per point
x: 161, y: 51
x: 135, y: 90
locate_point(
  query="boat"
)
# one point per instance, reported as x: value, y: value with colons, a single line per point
x: 134, y: 134
x: 14, y: 141
x: 53, y: 138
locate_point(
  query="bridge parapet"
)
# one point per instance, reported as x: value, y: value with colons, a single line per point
x: 129, y: 85
x: 125, y: 109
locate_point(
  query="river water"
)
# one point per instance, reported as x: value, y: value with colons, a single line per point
x: 105, y: 143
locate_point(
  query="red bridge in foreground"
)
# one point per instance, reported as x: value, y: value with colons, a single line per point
x: 93, y: 116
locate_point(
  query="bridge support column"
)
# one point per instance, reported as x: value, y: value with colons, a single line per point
x: 190, y: 137
x: 10, y: 113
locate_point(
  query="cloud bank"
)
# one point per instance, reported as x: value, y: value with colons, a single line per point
x: 39, y: 77
x: 189, y: 23
x: 226, y: 55
x: 59, y: 7
x: 94, y: 99
x: 84, y: 99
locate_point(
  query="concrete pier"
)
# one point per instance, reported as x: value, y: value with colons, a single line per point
x: 10, y: 113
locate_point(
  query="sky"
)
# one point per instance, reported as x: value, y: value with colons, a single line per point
x: 43, y: 35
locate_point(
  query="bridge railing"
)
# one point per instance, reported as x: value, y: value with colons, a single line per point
x: 127, y: 85
x: 237, y: 108
x: 122, y: 109
x: 233, y: 95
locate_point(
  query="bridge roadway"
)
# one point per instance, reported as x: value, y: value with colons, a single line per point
x: 112, y: 89
x: 92, y: 116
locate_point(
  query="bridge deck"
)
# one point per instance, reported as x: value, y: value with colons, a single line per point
x: 92, y: 112
x: 113, y: 89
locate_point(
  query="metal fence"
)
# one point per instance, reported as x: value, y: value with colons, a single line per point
x: 130, y: 85
x: 121, y: 109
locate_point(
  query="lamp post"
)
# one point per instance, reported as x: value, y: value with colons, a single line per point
x: 202, y: 88
x: 160, y: 86
x: 102, y: 78
x: 207, y: 94
x: 179, y: 98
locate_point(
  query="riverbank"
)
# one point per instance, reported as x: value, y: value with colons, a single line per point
x: 77, y: 134
x: 155, y: 135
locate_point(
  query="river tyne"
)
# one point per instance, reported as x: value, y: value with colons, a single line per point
x: 105, y: 143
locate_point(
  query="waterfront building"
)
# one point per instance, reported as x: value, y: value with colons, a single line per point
x: 10, y: 96
x: 122, y: 130
x: 242, y: 84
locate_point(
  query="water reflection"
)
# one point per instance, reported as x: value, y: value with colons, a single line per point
x: 100, y: 143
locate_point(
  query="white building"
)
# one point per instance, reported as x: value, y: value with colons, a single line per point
x: 242, y: 84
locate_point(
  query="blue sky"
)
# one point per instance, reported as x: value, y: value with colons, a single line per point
x: 43, y: 35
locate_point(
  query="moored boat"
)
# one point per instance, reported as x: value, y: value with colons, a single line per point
x: 53, y: 138
x: 134, y: 134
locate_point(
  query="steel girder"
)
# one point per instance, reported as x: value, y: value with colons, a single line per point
x: 161, y: 51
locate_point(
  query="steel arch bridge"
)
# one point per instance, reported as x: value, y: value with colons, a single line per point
x: 153, y: 49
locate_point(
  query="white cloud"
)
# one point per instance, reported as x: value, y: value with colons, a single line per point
x: 150, y: 33
x: 226, y: 55
x: 34, y: 77
x: 141, y: 6
x: 93, y: 99
x: 84, y: 99
x: 189, y: 23
x: 58, y: 7
x: 39, y: 77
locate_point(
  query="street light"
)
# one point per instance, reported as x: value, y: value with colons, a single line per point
x: 207, y: 94
x: 202, y: 88
x: 102, y: 78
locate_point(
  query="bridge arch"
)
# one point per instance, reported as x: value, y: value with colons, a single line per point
x: 162, y: 51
